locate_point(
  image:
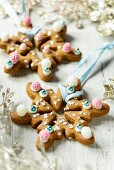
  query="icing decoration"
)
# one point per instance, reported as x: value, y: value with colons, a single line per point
x: 21, y: 110
x: 46, y: 49
x: 70, y: 89
x: 9, y: 64
x: 39, y: 36
x: 46, y: 63
x: 14, y: 57
x: 87, y: 105
x: 43, y: 93
x: 23, y: 46
x: 72, y: 81
x: 77, y: 51
x: 86, y: 132
x: 58, y: 26
x: 52, y: 42
x: 33, y: 109
x: 44, y: 135
x: 97, y: 103
x: 67, y: 47
x: 78, y: 127
x: 27, y: 20
x: 47, y: 71
x: 49, y: 128
x: 35, y: 86
x: 49, y: 33
x: 4, y: 36
x: 59, y: 47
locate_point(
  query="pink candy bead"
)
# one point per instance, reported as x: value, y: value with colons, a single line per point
x: 27, y: 20
x: 97, y: 103
x: 36, y: 86
x: 67, y: 47
x: 14, y: 57
x: 46, y: 49
x: 39, y: 36
x: 44, y: 135
x: 23, y: 46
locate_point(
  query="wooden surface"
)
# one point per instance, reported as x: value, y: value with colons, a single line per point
x: 70, y: 154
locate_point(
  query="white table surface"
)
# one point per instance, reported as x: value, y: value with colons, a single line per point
x: 69, y: 154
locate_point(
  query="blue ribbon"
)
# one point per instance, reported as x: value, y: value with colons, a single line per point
x: 106, y: 46
x: 23, y: 8
x: 66, y: 97
x: 30, y: 32
x: 10, y: 11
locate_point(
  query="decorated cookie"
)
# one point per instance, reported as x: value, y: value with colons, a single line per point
x: 50, y: 43
x: 17, y: 41
x: 30, y: 61
x: 60, y: 51
x: 43, y: 113
x: 57, y: 34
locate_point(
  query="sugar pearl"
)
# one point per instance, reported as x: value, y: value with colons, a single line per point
x: 86, y: 132
x: 4, y: 36
x: 97, y: 103
x: 21, y: 110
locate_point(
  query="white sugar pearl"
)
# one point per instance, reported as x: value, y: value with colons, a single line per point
x: 86, y: 132
x: 57, y: 26
x: 72, y: 81
x: 46, y: 63
x: 21, y: 110
x: 4, y: 36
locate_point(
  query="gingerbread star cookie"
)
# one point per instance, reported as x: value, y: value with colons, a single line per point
x: 72, y: 123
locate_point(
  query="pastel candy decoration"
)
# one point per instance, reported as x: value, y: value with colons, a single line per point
x: 72, y: 81
x: 44, y: 135
x: 46, y: 63
x: 86, y: 132
x: 78, y: 127
x: 87, y: 105
x: 58, y: 26
x: 27, y: 20
x: 4, y: 36
x: 97, y: 103
x: 46, y: 49
x: 35, y: 86
x: 33, y: 109
x: 23, y: 46
x: 14, y: 57
x: 21, y: 110
x: 70, y: 89
x: 9, y: 64
x: 47, y: 71
x: 49, y: 128
x: 39, y: 36
x: 67, y: 47
x: 77, y: 51
x: 43, y: 93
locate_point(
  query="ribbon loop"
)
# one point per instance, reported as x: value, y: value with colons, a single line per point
x: 66, y: 97
x: 106, y: 46
x: 10, y: 11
